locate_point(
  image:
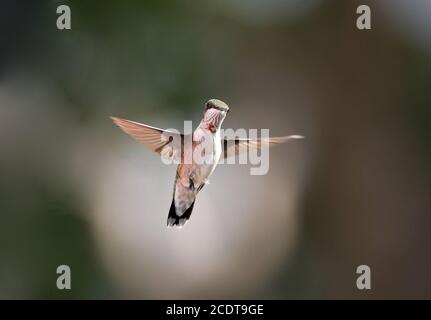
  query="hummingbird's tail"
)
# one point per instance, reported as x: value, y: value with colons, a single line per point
x: 175, y: 219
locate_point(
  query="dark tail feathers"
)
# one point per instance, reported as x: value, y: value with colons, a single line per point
x: 176, y: 220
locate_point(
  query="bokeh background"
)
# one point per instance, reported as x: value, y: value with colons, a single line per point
x: 75, y: 190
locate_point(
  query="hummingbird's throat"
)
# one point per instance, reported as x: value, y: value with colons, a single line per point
x: 212, y: 120
x: 211, y: 127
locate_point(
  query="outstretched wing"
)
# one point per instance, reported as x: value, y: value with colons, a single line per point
x: 234, y: 147
x: 166, y: 143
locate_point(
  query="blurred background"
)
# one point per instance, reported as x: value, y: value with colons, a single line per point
x: 75, y: 190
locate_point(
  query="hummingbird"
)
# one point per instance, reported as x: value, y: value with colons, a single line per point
x: 192, y: 175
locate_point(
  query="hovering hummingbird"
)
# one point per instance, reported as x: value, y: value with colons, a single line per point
x: 192, y: 176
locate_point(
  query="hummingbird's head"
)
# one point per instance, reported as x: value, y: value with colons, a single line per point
x: 216, y: 104
x: 215, y: 112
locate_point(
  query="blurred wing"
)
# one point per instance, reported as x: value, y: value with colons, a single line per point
x: 167, y: 144
x: 235, y: 147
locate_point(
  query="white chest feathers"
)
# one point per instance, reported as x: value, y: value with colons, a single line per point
x: 207, y: 153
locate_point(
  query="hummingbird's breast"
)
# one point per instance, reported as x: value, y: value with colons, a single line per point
x: 203, y: 167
